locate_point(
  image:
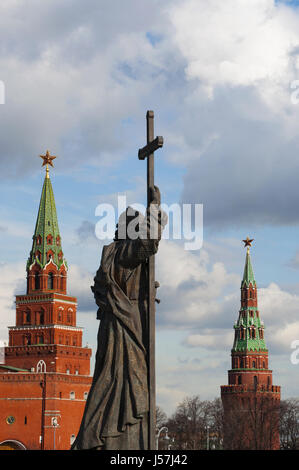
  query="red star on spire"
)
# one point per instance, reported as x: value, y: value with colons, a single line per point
x: 47, y: 158
x: 247, y: 242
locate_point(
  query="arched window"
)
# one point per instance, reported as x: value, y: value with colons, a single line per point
x: 255, y: 381
x: 51, y: 281
x: 41, y: 366
x: 253, y: 364
x: 72, y: 395
x: 239, y: 379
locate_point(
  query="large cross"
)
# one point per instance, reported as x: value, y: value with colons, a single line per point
x: 148, y: 152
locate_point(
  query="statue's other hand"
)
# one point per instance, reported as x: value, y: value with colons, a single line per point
x: 155, y: 195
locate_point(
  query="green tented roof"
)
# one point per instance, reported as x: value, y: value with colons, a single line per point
x: 248, y: 275
x: 46, y: 225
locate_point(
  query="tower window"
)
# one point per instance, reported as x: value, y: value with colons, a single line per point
x: 40, y: 339
x: 253, y: 364
x: 239, y: 380
x: 27, y: 340
x: 50, y: 281
x: 72, y: 395
x: 36, y: 281
x: 25, y: 420
x: 49, y: 240
x: 27, y: 316
x: 255, y: 381
x: 50, y: 255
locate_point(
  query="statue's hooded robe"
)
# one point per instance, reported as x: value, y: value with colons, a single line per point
x: 116, y: 411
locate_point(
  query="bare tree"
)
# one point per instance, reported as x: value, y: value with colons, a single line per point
x: 161, y: 417
x: 197, y: 424
x: 289, y: 424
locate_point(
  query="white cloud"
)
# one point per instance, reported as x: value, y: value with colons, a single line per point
x: 191, y: 289
x: 75, y: 72
x: 216, y: 340
x: 238, y: 43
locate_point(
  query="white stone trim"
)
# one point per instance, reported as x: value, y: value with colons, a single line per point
x: 42, y: 327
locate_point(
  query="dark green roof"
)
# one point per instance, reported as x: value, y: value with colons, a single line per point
x: 46, y: 224
x: 245, y: 322
x: 248, y: 276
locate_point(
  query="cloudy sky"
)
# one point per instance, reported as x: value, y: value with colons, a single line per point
x: 222, y: 80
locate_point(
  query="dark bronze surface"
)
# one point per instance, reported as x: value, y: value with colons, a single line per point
x: 120, y: 408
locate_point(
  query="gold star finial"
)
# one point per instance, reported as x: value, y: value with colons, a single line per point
x: 48, y: 160
x: 248, y: 242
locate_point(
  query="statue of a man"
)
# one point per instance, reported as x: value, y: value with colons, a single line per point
x: 116, y: 411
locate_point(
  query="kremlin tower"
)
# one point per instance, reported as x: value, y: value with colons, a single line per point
x: 250, y: 400
x: 45, y: 379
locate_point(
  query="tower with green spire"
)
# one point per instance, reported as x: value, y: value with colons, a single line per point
x: 249, y: 379
x: 45, y: 359
x: 46, y: 265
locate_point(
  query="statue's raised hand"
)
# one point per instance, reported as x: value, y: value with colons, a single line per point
x: 155, y: 195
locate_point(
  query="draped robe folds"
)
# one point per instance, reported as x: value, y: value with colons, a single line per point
x: 117, y: 406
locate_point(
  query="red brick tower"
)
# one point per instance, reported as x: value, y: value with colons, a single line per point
x: 46, y: 376
x: 250, y: 400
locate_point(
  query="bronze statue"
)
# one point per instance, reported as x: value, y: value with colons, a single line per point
x: 117, y: 407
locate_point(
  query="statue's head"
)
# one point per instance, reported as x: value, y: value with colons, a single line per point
x: 128, y: 224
